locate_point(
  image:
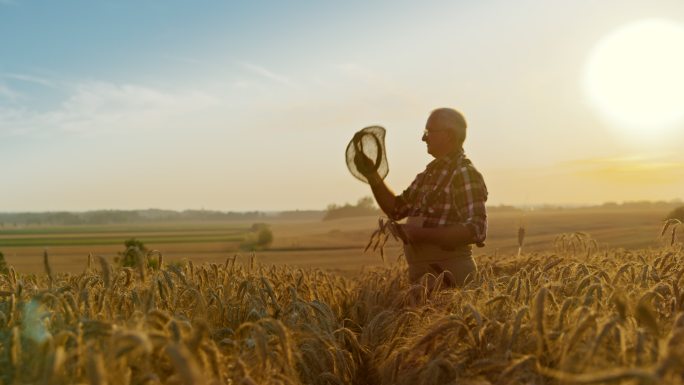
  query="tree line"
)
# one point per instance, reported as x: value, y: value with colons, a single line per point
x: 105, y: 217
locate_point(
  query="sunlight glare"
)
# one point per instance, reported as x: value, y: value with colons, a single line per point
x: 635, y: 78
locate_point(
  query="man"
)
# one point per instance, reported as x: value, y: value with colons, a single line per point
x: 444, y: 206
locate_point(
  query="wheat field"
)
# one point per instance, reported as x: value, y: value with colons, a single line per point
x: 576, y: 313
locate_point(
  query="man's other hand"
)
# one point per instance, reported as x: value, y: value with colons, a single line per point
x: 408, y: 234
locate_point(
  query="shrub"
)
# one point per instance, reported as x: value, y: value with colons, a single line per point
x: 261, y: 237
x: 135, y: 250
x: 265, y: 237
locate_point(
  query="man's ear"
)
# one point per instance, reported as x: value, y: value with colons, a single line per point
x: 452, y: 137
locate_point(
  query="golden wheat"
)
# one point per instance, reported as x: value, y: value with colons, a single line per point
x: 574, y: 315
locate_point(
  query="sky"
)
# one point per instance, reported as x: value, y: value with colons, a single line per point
x: 227, y: 105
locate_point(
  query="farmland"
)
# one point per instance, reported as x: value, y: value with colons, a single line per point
x: 336, y: 244
x: 559, y: 313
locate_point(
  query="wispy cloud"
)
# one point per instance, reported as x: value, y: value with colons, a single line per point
x: 378, y: 81
x: 630, y: 169
x: 97, y: 107
x: 268, y: 74
x: 8, y: 93
x: 29, y: 78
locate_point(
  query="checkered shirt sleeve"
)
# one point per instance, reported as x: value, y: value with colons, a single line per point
x: 404, y: 201
x: 470, y: 195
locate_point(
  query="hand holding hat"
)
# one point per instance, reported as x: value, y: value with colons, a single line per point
x: 364, y: 164
x: 365, y: 155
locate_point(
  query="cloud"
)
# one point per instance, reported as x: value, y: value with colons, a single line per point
x: 267, y: 74
x: 8, y: 93
x: 29, y: 78
x: 103, y: 107
x: 97, y: 107
x: 379, y: 82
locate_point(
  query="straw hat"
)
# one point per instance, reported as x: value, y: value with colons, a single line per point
x: 369, y: 141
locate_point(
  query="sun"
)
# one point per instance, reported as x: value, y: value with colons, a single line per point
x: 635, y: 78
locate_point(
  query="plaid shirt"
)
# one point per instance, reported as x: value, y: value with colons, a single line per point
x: 449, y: 191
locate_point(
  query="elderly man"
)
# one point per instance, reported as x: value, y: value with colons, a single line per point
x: 444, y: 206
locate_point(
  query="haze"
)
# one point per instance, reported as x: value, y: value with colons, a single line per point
x: 228, y: 106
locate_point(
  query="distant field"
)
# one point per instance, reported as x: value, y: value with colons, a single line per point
x: 335, y: 245
x: 110, y: 235
x: 130, y: 229
x: 78, y: 239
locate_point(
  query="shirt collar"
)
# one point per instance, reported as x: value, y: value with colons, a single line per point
x: 450, y: 158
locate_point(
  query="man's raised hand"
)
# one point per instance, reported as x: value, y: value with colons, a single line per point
x: 365, y: 166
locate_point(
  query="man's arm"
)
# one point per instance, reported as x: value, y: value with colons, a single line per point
x: 383, y: 195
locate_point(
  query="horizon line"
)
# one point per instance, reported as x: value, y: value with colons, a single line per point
x: 274, y: 211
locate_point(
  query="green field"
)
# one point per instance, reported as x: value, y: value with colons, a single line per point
x: 115, y: 235
x: 114, y: 240
x: 141, y: 228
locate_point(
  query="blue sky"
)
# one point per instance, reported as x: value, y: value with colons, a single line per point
x: 240, y: 106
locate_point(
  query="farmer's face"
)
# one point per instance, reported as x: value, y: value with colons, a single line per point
x: 439, y: 138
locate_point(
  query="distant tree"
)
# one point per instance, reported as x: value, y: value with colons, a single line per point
x: 256, y: 227
x: 364, y: 207
x: 366, y: 203
x: 302, y: 214
x: 677, y: 213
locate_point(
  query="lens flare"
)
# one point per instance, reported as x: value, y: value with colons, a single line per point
x: 635, y: 78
